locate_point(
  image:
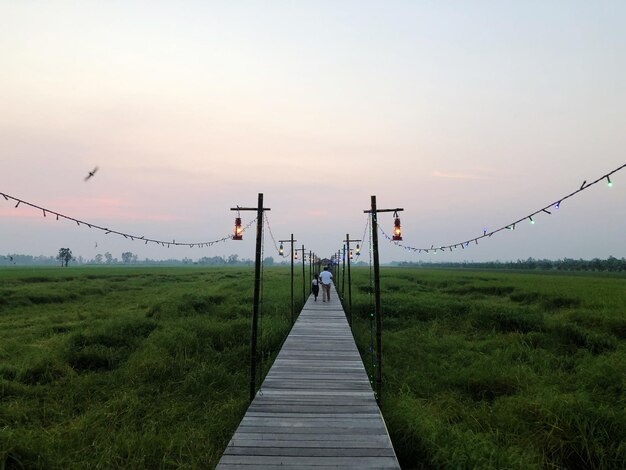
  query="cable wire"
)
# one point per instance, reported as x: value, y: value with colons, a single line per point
x: 511, y: 226
x: 164, y: 243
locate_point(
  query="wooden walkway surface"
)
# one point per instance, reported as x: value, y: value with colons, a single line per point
x: 316, y: 408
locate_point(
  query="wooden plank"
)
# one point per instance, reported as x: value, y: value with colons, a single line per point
x: 316, y: 408
x: 262, y: 461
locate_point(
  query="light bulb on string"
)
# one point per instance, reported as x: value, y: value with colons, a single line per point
x: 609, y: 183
x: 530, y: 219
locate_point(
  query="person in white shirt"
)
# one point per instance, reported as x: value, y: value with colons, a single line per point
x: 326, y: 277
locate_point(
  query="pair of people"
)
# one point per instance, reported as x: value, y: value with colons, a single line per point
x: 325, y: 278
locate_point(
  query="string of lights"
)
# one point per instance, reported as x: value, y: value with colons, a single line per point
x: 269, y: 229
x: 107, y: 231
x: 547, y: 210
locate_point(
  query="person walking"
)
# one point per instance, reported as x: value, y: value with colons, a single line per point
x: 315, y: 286
x: 326, y: 277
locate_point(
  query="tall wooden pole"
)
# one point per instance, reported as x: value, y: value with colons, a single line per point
x: 292, y: 305
x: 291, y: 241
x: 343, y: 273
x: 257, y: 295
x: 257, y: 287
x: 337, y: 285
x: 303, y: 276
x: 378, y: 310
x: 349, y: 282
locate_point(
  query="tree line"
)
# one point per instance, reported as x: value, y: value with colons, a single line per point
x: 65, y: 256
x: 611, y: 264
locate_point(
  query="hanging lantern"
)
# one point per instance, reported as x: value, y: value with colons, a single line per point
x: 358, y: 249
x: 295, y: 256
x: 351, y: 254
x: 238, y: 230
x: 281, y: 250
x: 397, y: 230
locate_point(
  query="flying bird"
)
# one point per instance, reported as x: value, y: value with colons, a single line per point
x: 91, y: 173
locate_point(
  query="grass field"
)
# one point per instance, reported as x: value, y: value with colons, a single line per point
x: 501, y: 370
x: 128, y: 367
x: 148, y: 367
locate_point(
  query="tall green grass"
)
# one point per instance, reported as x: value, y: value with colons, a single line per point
x: 500, y: 370
x: 129, y: 367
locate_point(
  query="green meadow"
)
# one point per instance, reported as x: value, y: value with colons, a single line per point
x: 124, y: 367
x: 501, y: 370
x: 129, y: 367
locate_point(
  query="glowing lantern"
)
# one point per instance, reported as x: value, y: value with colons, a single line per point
x: 295, y: 256
x: 281, y: 250
x: 238, y: 230
x: 351, y: 254
x: 358, y: 249
x: 397, y: 230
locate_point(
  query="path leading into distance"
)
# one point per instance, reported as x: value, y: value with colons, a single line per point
x: 316, y: 408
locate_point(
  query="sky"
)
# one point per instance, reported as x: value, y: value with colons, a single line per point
x: 468, y: 115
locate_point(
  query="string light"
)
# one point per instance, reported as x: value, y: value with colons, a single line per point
x: 107, y: 231
x: 511, y: 226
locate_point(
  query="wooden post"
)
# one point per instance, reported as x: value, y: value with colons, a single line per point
x: 303, y: 278
x: 257, y: 296
x: 292, y: 304
x: 291, y: 240
x: 377, y: 309
x: 347, y: 240
x: 257, y: 290
x: 343, y: 273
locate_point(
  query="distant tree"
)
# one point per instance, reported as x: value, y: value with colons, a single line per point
x: 233, y: 259
x: 269, y: 261
x: 109, y: 257
x: 127, y: 257
x: 65, y: 256
x: 98, y: 258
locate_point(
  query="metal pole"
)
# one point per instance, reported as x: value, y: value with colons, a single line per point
x: 257, y: 291
x: 378, y: 310
x: 310, y: 267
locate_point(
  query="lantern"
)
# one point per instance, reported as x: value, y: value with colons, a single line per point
x: 351, y: 254
x: 397, y: 230
x: 238, y: 230
x: 295, y: 256
x: 281, y: 250
x: 358, y: 249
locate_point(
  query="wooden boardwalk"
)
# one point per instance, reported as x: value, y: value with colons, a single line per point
x: 316, y: 408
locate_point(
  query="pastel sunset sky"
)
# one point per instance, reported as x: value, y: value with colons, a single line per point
x: 469, y: 115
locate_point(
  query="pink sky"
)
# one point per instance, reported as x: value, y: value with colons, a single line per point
x: 466, y: 115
